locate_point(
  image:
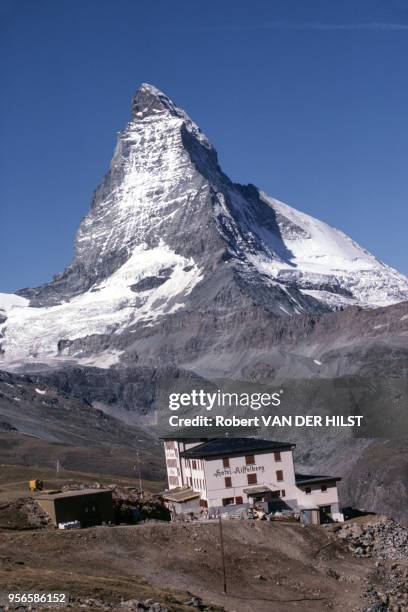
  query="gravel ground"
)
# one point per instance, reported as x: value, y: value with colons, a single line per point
x: 270, y: 567
x: 386, y: 543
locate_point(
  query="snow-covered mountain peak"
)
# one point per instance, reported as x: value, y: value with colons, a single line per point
x: 149, y: 100
x: 168, y: 231
x: 151, y: 104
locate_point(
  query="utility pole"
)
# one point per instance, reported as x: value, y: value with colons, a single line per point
x: 139, y: 474
x: 222, y: 557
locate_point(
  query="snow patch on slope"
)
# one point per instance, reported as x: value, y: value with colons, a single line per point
x: 8, y: 301
x: 106, y: 308
x: 320, y: 247
x: 328, y: 265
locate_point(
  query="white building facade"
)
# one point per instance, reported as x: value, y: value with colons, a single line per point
x: 231, y: 472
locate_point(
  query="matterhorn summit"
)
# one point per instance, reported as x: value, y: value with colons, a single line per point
x: 168, y: 235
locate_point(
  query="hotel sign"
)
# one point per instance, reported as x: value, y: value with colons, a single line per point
x: 245, y: 469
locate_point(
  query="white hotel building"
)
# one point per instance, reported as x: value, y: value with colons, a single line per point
x: 226, y: 473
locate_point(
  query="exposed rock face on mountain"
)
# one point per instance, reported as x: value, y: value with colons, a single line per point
x: 40, y: 424
x: 169, y: 232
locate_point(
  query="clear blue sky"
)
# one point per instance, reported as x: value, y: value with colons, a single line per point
x: 306, y: 99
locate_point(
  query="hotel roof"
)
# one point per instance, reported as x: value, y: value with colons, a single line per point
x: 75, y: 493
x: 203, y: 434
x: 221, y: 447
x: 180, y: 495
x: 302, y: 479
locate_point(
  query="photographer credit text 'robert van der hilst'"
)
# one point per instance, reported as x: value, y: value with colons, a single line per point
x: 209, y: 401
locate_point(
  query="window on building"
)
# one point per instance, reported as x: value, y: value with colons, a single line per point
x: 277, y: 456
x: 194, y: 464
x: 173, y: 481
x: 323, y: 488
x: 252, y: 479
x: 283, y: 493
x: 225, y: 462
x: 172, y: 463
x: 308, y: 490
x: 279, y: 475
x: 239, y: 500
x: 249, y: 460
x: 169, y: 444
x: 228, y: 501
x: 228, y: 482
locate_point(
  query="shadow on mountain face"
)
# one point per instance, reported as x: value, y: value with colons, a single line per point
x: 261, y: 221
x: 254, y: 219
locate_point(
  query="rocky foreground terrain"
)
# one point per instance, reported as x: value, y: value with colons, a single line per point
x: 386, y: 542
x: 361, y: 566
x: 275, y: 567
x: 358, y: 566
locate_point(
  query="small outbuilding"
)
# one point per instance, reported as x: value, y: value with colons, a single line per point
x: 88, y: 506
x: 310, y: 515
x: 183, y: 500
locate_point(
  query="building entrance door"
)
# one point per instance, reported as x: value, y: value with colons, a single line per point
x: 325, y: 514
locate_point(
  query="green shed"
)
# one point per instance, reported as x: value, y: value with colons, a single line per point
x: 88, y: 506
